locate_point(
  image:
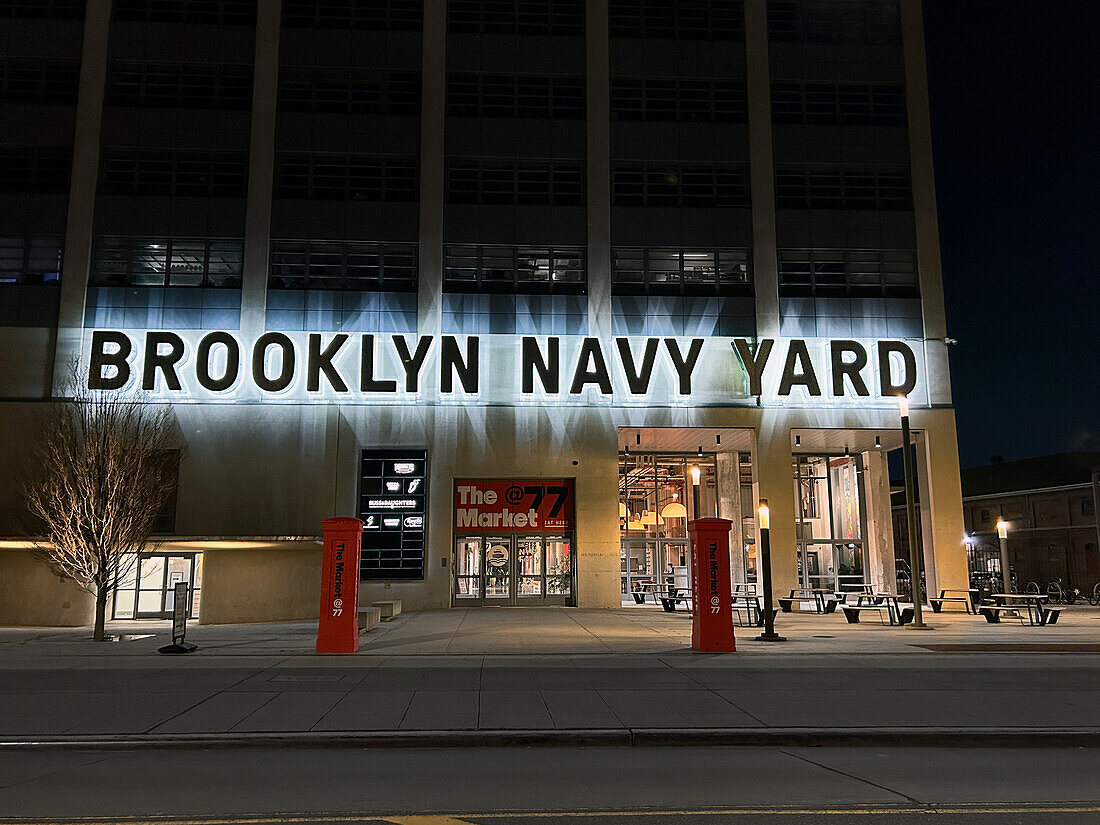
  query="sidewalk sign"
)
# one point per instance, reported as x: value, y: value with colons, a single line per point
x: 181, y: 593
x: 338, y: 622
x: 711, y: 596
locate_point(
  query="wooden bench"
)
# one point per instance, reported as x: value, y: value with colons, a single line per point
x: 389, y: 609
x: 937, y: 604
x: 368, y: 618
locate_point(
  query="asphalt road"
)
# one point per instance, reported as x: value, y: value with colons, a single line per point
x: 547, y: 786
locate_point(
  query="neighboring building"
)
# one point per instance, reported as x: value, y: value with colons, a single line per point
x: 493, y: 276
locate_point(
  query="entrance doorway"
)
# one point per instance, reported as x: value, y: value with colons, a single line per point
x: 832, y: 553
x: 147, y: 589
x: 514, y: 570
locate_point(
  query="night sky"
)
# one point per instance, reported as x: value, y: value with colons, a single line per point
x: 1016, y: 133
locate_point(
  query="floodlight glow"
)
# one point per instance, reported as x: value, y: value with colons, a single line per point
x: 764, y: 515
x: 1002, y: 528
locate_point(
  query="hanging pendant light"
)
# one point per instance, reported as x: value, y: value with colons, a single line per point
x: 635, y: 524
x: 674, y: 509
x: 622, y: 509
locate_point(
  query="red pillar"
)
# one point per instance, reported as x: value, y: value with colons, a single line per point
x: 338, y: 623
x: 712, y: 616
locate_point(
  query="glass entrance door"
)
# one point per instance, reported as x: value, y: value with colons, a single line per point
x: 499, y: 570
x: 831, y: 552
x: 513, y: 570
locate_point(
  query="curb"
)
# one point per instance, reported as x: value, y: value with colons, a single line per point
x: 922, y: 737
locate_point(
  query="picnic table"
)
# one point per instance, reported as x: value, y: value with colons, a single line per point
x: 1038, y: 613
x: 824, y: 600
x: 882, y: 604
x: 969, y: 599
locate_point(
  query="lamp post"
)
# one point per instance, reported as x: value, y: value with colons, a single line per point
x: 911, y: 513
x: 694, y: 493
x: 764, y: 520
x: 1002, y: 534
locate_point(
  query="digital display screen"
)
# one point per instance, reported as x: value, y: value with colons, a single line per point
x: 392, y: 504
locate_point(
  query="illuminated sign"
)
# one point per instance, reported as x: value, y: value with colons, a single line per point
x: 513, y: 505
x: 337, y: 367
x: 392, y: 506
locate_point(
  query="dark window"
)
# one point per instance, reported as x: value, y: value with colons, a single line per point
x: 558, y: 17
x: 528, y: 182
x: 522, y: 96
x: 663, y: 271
x: 848, y: 272
x: 881, y: 104
x: 35, y: 169
x: 834, y: 21
x: 235, y: 12
x: 165, y: 521
x: 836, y: 187
x: 373, y: 15
x: 39, y: 81
x: 515, y: 269
x: 678, y: 99
x: 351, y: 265
x: 346, y: 177
x: 349, y: 91
x: 61, y: 9
x: 173, y: 174
x: 686, y: 20
x: 178, y: 86
x: 673, y: 184
x: 129, y: 261
x: 30, y: 260
x: 1087, y: 508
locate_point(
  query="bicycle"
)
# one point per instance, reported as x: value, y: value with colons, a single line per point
x: 1033, y: 588
x: 1055, y: 592
x: 1094, y: 597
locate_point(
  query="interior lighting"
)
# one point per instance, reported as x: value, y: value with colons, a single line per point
x: 764, y: 515
x: 798, y: 441
x: 695, y: 476
x: 674, y: 509
x: 878, y: 442
x: 700, y: 451
x: 903, y: 405
x: 622, y: 509
x: 635, y: 524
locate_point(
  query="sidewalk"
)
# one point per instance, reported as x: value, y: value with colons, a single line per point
x: 557, y: 676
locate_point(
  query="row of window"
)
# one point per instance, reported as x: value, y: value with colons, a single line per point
x: 122, y: 261
x: 349, y: 265
x: 834, y: 21
x: 379, y: 15
x: 538, y: 17
x: 179, y: 86
x: 835, y: 187
x: 855, y: 272
x: 349, y: 91
x: 664, y: 184
x: 521, y: 96
x: 35, y: 168
x: 39, y: 81
x: 684, y: 20
x: 525, y: 182
x: 233, y: 12
x: 658, y: 271
x: 678, y: 99
x: 881, y: 104
x: 514, y: 269
x: 174, y: 173
x: 57, y: 9
x: 30, y: 260
x: 346, y: 177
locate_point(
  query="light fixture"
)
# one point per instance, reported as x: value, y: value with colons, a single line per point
x: 878, y: 442
x: 798, y: 441
x: 700, y: 451
x: 969, y: 540
x: 651, y: 519
x: 718, y: 439
x: 626, y: 450
x: 622, y: 509
x: 1002, y: 529
x: 695, y: 476
x: 674, y: 509
x: 903, y: 405
x: 847, y: 454
x: 637, y: 438
x: 764, y: 515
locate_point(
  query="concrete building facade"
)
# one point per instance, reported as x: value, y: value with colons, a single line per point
x: 501, y: 279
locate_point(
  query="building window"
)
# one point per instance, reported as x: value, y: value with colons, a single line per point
x: 174, y: 174
x: 346, y: 177
x: 834, y: 21
x: 515, y: 96
x: 700, y: 20
x: 379, y: 15
x: 526, y: 182
x: 836, y: 187
x: 985, y: 516
x: 513, y: 269
x: 30, y: 260
x: 853, y: 272
x: 35, y: 169
x: 680, y: 184
x: 178, y: 86
x: 71, y: 9
x: 657, y: 271
x: 39, y: 81
x: 881, y: 104
x: 352, y: 265
x: 165, y: 521
x: 678, y: 99
x: 558, y: 17
x: 349, y: 91
x: 1087, y: 507
x: 237, y: 12
x: 125, y: 261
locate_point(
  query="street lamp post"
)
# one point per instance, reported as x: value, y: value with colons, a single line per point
x: 911, y: 513
x: 764, y: 520
x: 695, y: 492
x: 1002, y: 534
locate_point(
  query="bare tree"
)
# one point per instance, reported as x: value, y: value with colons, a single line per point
x: 101, y: 475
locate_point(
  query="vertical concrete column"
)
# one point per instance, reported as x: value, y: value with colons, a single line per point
x: 880, y: 536
x: 773, y: 479
x: 261, y: 170
x: 729, y: 506
x: 82, y: 186
x: 941, y: 515
x: 924, y: 202
x: 761, y: 170
x: 598, y: 169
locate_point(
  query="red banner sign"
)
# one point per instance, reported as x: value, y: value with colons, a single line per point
x: 712, y: 608
x: 513, y: 505
x: 338, y: 624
